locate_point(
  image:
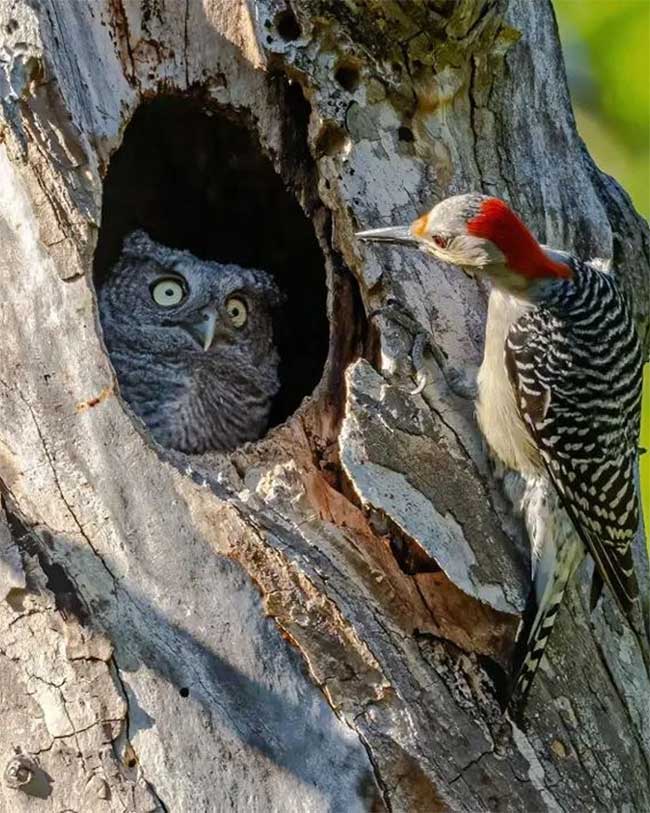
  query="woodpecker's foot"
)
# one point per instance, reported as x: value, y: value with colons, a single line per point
x: 459, y: 381
x: 421, y: 346
x: 397, y: 313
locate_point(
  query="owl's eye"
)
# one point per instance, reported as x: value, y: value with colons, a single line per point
x: 168, y: 292
x: 237, y: 311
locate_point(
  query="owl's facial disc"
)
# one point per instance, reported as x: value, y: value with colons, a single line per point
x: 217, y: 321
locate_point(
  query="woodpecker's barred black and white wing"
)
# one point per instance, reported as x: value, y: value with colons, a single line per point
x: 576, y: 367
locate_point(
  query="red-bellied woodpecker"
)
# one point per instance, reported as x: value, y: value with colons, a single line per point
x: 559, y: 399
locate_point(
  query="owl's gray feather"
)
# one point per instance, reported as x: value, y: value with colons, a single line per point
x: 190, y: 398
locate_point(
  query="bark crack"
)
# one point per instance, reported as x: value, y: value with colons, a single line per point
x: 121, y: 15
x: 73, y: 734
x: 473, y: 107
x: 471, y: 764
x: 59, y: 488
x: 127, y: 729
x: 383, y: 787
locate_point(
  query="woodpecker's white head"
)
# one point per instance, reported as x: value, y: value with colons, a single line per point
x: 479, y: 233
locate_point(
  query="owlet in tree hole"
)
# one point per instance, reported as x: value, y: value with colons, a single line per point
x: 191, y: 342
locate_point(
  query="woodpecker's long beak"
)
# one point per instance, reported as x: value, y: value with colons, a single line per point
x: 205, y: 328
x: 392, y: 234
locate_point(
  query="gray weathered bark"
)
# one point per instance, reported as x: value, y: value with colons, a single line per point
x: 318, y: 621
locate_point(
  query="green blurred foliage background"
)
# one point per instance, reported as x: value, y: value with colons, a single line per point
x: 645, y: 459
x: 606, y: 45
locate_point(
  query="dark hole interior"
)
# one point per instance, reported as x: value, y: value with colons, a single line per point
x: 347, y: 75
x: 287, y: 25
x: 197, y: 180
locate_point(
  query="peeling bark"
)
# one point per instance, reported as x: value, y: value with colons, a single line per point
x: 321, y: 620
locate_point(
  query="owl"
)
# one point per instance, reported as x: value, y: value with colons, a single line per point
x: 191, y: 342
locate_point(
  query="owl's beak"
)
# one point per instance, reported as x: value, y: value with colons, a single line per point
x: 204, y: 330
x: 209, y: 327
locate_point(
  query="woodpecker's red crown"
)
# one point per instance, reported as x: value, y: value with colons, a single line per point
x: 495, y: 221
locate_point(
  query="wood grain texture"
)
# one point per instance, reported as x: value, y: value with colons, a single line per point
x: 317, y: 621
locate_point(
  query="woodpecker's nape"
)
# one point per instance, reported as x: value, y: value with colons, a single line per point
x: 559, y: 401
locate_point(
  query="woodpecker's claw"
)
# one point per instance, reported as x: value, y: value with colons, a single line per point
x: 421, y: 378
x: 421, y: 344
x: 459, y: 381
x: 397, y: 313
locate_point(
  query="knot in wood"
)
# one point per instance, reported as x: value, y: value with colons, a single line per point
x: 19, y: 772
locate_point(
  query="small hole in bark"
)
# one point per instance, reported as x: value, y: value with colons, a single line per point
x: 287, y: 25
x: 405, y: 134
x: 131, y: 763
x: 198, y: 180
x: 347, y: 75
x: 184, y: 691
x: 410, y: 557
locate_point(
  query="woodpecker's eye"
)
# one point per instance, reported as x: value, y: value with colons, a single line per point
x: 168, y: 291
x: 237, y: 311
x: 440, y: 241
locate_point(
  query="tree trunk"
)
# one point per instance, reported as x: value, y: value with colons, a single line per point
x: 321, y: 620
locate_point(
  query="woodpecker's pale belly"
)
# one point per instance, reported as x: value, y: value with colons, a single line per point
x: 496, y: 408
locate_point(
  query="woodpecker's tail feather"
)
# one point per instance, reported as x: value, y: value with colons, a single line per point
x: 538, y: 625
x: 557, y: 552
x: 552, y: 539
x: 533, y: 637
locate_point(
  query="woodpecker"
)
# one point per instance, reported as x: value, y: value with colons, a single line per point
x: 559, y: 401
